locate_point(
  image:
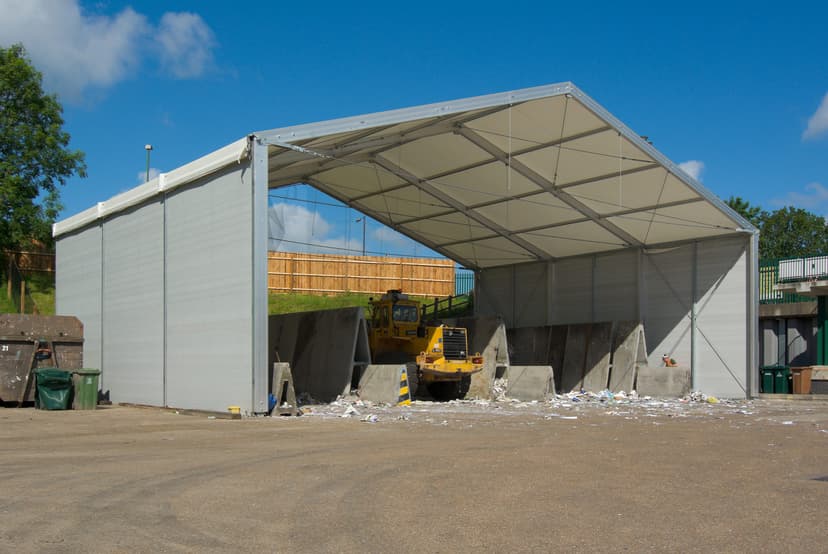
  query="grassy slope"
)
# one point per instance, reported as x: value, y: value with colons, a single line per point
x: 291, y: 302
x: 42, y: 288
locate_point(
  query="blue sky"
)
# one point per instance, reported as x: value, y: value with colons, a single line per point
x: 738, y: 91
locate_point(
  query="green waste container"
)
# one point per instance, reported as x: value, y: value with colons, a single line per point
x: 85, y: 382
x: 776, y: 379
x: 782, y: 380
x: 54, y: 388
x: 767, y: 380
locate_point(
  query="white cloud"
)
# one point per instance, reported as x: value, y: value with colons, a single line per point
x: 693, y: 168
x: 294, y: 228
x: 141, y: 176
x: 387, y: 235
x: 77, y: 50
x: 814, y: 199
x: 186, y: 44
x: 818, y: 123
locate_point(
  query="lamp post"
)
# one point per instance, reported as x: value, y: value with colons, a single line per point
x: 148, y: 148
x: 362, y: 219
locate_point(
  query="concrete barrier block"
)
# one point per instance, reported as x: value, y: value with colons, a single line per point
x: 572, y: 375
x: 629, y: 352
x: 529, y: 383
x: 322, y: 347
x: 597, y: 363
x: 282, y: 388
x: 487, y: 335
x: 381, y: 383
x: 557, y: 345
x: 529, y: 345
x: 663, y: 381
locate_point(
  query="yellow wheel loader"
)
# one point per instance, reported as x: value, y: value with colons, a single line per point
x: 437, y: 356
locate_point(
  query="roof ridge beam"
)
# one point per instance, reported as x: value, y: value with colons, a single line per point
x: 547, y: 185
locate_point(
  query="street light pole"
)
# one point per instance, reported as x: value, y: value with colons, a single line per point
x: 362, y: 219
x: 148, y: 148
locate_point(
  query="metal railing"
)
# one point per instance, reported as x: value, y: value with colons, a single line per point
x: 453, y: 306
x: 787, y: 270
x: 463, y: 281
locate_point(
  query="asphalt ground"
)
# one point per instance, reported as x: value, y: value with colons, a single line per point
x: 462, y: 477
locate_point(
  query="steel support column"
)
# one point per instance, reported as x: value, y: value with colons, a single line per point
x: 259, y: 232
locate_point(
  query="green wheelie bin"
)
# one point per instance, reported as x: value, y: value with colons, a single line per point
x: 86, y: 388
x: 53, y: 388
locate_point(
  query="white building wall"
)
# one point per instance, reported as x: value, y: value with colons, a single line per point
x: 133, y: 301
x: 78, y: 289
x: 209, y: 293
x: 165, y: 293
x: 721, y: 316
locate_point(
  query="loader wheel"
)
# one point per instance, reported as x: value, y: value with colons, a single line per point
x: 443, y: 391
x: 465, y: 384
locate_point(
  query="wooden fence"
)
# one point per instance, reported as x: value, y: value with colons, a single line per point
x: 331, y: 274
x: 33, y: 261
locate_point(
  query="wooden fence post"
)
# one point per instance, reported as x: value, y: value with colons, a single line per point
x: 22, y: 297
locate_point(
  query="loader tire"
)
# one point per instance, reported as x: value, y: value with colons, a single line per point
x: 443, y: 391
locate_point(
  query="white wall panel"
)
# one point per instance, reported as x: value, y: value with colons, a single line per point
x: 78, y: 289
x: 573, y: 291
x: 616, y: 287
x: 494, y: 293
x: 668, y: 290
x: 721, y: 340
x: 531, y: 287
x: 133, y: 304
x: 209, y: 293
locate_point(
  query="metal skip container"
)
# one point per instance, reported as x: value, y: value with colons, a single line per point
x: 28, y: 342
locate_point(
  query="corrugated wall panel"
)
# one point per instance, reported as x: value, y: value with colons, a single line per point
x: 494, y: 293
x: 78, y: 289
x: 668, y: 278
x: 133, y: 304
x: 721, y: 341
x: 531, y: 287
x: 573, y: 291
x: 616, y: 287
x: 209, y: 293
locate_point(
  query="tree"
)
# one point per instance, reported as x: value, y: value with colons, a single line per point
x: 792, y: 232
x: 34, y: 154
x: 753, y: 214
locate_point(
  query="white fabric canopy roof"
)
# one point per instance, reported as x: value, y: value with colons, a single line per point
x: 537, y: 174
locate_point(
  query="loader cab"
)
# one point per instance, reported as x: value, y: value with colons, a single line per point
x: 394, y: 314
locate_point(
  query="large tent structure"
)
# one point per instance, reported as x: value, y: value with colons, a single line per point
x: 566, y: 215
